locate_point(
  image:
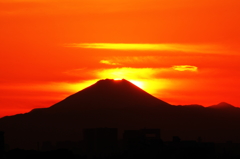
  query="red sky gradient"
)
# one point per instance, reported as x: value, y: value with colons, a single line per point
x: 182, y: 51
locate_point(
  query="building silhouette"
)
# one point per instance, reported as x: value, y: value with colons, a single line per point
x: 100, y: 141
x: 136, y: 139
x: 2, y: 143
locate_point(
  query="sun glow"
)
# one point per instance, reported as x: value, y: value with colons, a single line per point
x: 141, y: 77
x: 140, y: 84
x: 144, y: 78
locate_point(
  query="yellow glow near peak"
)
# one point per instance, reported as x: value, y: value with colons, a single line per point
x: 135, y: 82
x: 138, y: 83
x: 74, y: 87
x: 144, y: 78
x: 141, y: 77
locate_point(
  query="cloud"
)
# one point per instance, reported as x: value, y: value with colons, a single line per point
x: 176, y: 71
x: 157, y: 61
x: 180, y: 71
x: 108, y: 62
x: 200, y: 48
x: 132, y: 61
x: 185, y: 68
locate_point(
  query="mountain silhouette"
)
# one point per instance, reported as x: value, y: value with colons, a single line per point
x: 108, y: 93
x: 222, y: 105
x: 118, y: 104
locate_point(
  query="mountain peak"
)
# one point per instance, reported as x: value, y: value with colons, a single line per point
x: 113, y: 82
x: 222, y: 105
x: 108, y: 93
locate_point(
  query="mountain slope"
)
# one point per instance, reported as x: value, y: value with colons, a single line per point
x: 109, y: 93
x: 107, y: 103
x: 121, y: 105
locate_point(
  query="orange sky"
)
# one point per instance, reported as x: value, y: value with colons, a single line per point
x: 182, y: 51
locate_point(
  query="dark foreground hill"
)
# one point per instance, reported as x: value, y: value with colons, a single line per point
x: 122, y: 105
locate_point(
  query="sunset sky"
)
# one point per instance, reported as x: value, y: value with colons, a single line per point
x: 181, y: 51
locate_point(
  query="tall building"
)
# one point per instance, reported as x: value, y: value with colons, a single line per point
x: 100, y: 141
x: 151, y: 133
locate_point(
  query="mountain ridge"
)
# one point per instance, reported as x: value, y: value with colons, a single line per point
x: 120, y: 93
x: 90, y: 108
x: 222, y: 105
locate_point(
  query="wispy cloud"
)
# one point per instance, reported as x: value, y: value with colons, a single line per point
x: 198, y: 48
x: 185, y: 68
x: 108, y: 62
